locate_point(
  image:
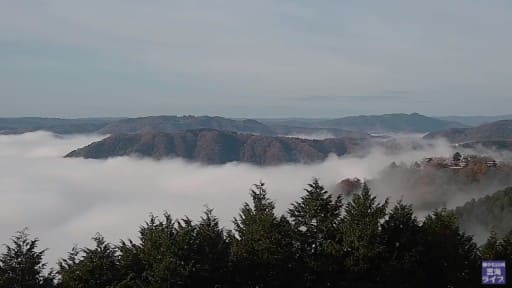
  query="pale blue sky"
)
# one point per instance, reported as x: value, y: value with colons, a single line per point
x: 254, y: 58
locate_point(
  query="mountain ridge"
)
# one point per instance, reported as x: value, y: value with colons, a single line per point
x: 217, y: 147
x: 20, y: 125
x: 395, y: 122
x: 495, y: 131
x: 171, y: 123
x: 414, y: 123
x: 476, y: 120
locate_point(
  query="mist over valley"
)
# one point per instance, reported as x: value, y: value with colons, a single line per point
x: 255, y: 144
x: 68, y: 196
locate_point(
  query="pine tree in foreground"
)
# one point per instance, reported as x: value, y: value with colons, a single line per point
x: 22, y: 266
x: 317, y: 220
x: 91, y: 267
x: 323, y: 243
x: 361, y: 225
x: 449, y: 257
x: 400, y: 247
x: 263, y: 251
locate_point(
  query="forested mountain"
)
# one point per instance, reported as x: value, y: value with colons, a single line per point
x: 218, y: 147
x: 476, y: 120
x: 495, y: 131
x: 405, y: 123
x: 397, y: 122
x: 321, y: 241
x: 55, y: 125
x: 130, y: 125
x: 436, y: 182
x: 492, y: 212
x: 355, y: 126
x: 180, y: 123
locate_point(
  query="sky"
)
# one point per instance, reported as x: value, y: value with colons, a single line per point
x: 265, y: 58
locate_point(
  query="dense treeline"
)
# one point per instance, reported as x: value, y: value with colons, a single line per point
x: 489, y: 212
x: 322, y: 241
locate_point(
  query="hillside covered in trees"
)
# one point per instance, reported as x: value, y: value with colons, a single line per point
x: 499, y: 130
x: 443, y: 181
x: 492, y: 212
x: 395, y: 122
x: 322, y: 241
x: 339, y: 127
x: 218, y: 147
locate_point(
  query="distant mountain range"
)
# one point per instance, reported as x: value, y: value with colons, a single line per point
x: 55, y: 125
x: 476, y: 120
x: 495, y: 131
x: 218, y: 147
x: 408, y: 123
x: 341, y: 127
x: 217, y: 140
x: 398, y: 123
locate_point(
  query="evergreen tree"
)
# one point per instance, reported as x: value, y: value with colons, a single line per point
x: 152, y: 262
x: 320, y: 245
x: 316, y: 220
x: 491, y: 248
x: 213, y: 253
x: 177, y: 254
x: 262, y: 251
x: 131, y: 266
x: 449, y: 257
x: 22, y: 266
x: 96, y: 267
x: 360, y: 236
x: 399, y: 240
x: 202, y: 252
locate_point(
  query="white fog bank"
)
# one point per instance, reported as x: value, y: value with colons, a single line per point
x: 66, y: 201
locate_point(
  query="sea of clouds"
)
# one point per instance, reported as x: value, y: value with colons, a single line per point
x: 65, y: 201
